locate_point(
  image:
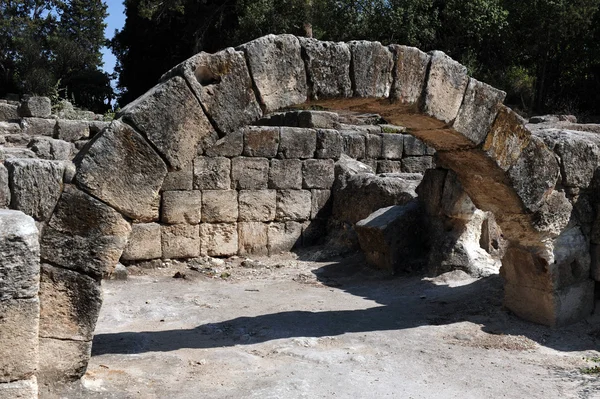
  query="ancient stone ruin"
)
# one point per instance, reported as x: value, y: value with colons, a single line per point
x: 279, y: 143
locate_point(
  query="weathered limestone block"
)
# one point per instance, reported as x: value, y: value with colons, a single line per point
x: 321, y: 204
x: 222, y: 83
x: 328, y: 68
x: 70, y: 304
x: 19, y: 338
x: 23, y: 389
x: 387, y: 240
x: 261, y: 141
x: 63, y: 360
x: 8, y: 112
x: 329, y: 144
x: 231, y: 145
x: 20, y: 254
x: 371, y: 69
x: 219, y: 239
x: 12, y: 127
x: 71, y: 131
x: 455, y: 202
x: 293, y: 205
x: 297, y: 143
x: 35, y: 185
x: 409, y: 73
x: 347, y: 167
x: 373, y: 146
x: 277, y: 69
x: 257, y: 206
x: 318, y: 119
x: 97, y: 126
x: 579, y: 156
x: 284, y: 237
x: 554, y: 214
x: 416, y: 164
x: 144, y: 242
x: 219, y: 206
x: 38, y: 126
x: 180, y: 241
x: 285, y: 174
x: 249, y: 173
x: 389, y: 167
x: 445, y: 87
x: 177, y: 180
x: 478, y: 111
x: 571, y: 253
x: 15, y: 152
x: 318, y: 173
x: 413, y: 147
x: 431, y: 190
x: 354, y: 144
x: 51, y: 149
x: 253, y: 238
x: 172, y: 119
x: 84, y: 234
x: 181, y: 207
x: 212, y: 173
x: 392, y: 146
x: 4, y: 187
x: 123, y: 170
x: 39, y: 107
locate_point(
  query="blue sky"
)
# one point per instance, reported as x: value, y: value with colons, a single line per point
x: 114, y: 21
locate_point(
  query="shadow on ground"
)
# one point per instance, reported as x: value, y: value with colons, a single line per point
x: 406, y: 302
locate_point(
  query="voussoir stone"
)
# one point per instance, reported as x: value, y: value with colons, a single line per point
x: 277, y: 69
x: 84, y: 234
x: 144, y: 242
x: 409, y: 73
x: 222, y: 83
x: 445, y: 87
x: 507, y: 138
x: 328, y: 67
x: 123, y: 170
x: 172, y: 119
x: 371, y: 70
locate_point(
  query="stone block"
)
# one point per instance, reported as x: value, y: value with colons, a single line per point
x: 371, y: 69
x: 455, y: 202
x: 253, y: 238
x: 318, y: 119
x: 144, y: 242
x: 320, y: 204
x: 354, y: 144
x: 123, y: 170
x: 13, y: 127
x: 219, y: 206
x: 51, y: 149
x: 297, y: 143
x: 293, y: 205
x: 478, y: 111
x: 257, y: 206
x: 392, y: 146
x: 329, y: 144
x: 410, y: 72
x: 4, y: 187
x: 318, y: 173
x: 249, y: 173
x: 71, y: 131
x: 417, y: 164
x: 261, y: 141
x: 212, y: 173
x: 231, y: 145
x: 97, y: 126
x: 35, y: 185
x: 63, y: 360
x: 285, y: 174
x: 22, y: 389
x: 8, y: 112
x: 222, y: 83
x: 580, y: 156
x: 445, y: 87
x: 389, y: 167
x: 180, y: 241
x: 284, y: 237
x: 172, y: 119
x: 19, y: 338
x: 373, y: 146
x: 38, y: 126
x: 328, y: 68
x: 38, y: 107
x: 219, y: 239
x: 20, y: 253
x: 180, y: 180
x: 277, y: 70
x: 70, y: 304
x: 181, y: 207
x: 413, y: 147
x: 84, y: 234
x: 431, y: 189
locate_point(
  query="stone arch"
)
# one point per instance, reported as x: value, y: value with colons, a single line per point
x: 505, y: 168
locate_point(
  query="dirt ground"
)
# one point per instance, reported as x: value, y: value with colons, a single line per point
x: 296, y: 326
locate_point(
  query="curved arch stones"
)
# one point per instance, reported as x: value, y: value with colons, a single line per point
x: 504, y: 168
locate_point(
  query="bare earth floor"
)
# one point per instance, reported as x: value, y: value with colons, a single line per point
x: 291, y: 328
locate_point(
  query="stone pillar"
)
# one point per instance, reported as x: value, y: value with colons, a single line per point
x: 19, y: 305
